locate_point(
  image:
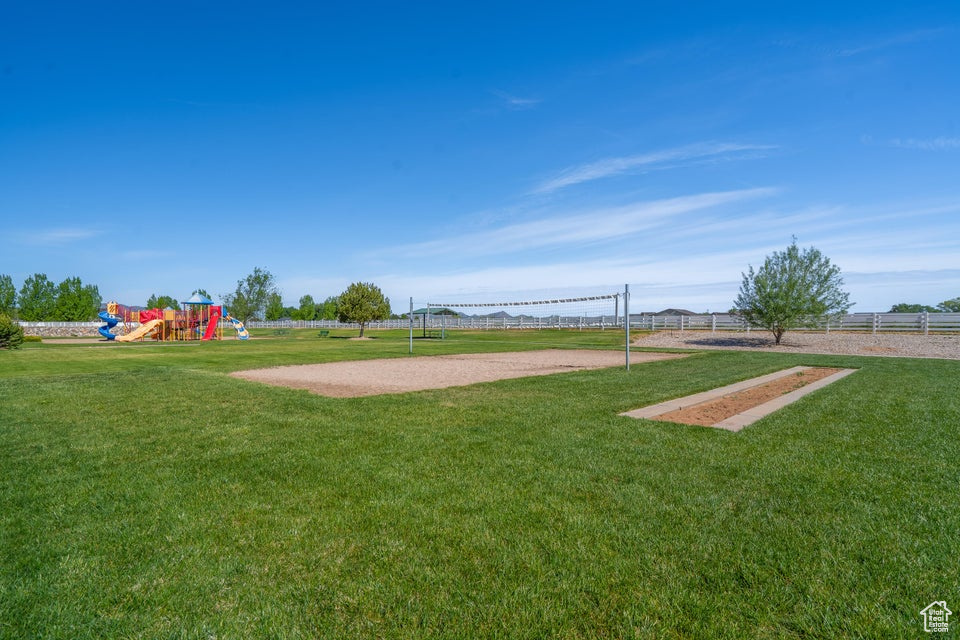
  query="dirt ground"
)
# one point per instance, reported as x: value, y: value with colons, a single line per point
x: 400, y: 375
x: 713, y: 411
x: 909, y: 345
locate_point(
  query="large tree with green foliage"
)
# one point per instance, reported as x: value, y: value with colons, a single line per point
x: 951, y: 306
x: 8, y: 296
x: 275, y: 309
x: 794, y: 288
x: 162, y: 302
x: 361, y: 303
x: 904, y: 307
x: 249, y: 300
x: 76, y: 302
x: 37, y: 298
x: 327, y: 310
x: 308, y: 308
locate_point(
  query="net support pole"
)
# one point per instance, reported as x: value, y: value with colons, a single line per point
x: 410, y: 317
x: 626, y: 324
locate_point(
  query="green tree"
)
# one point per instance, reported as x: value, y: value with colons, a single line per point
x: 249, y: 300
x: 37, y: 298
x: 904, y: 307
x: 8, y: 296
x: 11, y: 333
x: 275, y: 308
x: 361, y: 303
x: 308, y: 308
x: 202, y: 292
x: 162, y: 302
x: 792, y: 289
x: 76, y: 302
x: 951, y: 306
x: 327, y: 310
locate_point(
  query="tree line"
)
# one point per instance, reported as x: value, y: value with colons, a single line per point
x: 306, y: 309
x: 39, y: 299
x: 257, y: 297
x: 947, y: 306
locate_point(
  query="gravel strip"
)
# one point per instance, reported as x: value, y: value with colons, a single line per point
x: 842, y: 343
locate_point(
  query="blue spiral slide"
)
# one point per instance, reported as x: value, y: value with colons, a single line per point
x: 111, y: 323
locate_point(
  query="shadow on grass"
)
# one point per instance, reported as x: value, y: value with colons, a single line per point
x: 739, y: 341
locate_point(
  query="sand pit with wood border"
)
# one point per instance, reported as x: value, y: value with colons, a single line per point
x: 356, y: 378
x: 738, y: 405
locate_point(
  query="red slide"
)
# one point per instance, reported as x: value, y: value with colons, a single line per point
x: 212, y: 325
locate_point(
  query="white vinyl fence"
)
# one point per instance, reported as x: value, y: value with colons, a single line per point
x: 862, y: 322
x: 924, y: 323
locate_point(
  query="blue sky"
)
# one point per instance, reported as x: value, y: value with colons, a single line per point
x: 480, y: 150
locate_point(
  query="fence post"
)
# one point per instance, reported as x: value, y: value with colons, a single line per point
x: 713, y: 322
x: 626, y: 324
x: 926, y: 323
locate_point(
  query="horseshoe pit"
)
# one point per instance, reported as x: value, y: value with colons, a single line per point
x: 737, y: 405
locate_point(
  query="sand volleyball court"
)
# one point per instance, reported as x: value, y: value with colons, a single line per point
x: 400, y: 375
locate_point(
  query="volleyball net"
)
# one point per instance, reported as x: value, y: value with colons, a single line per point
x: 478, y: 319
x: 586, y: 312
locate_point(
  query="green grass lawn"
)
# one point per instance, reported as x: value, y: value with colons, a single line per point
x: 144, y: 493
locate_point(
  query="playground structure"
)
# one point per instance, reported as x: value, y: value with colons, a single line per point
x: 198, y: 320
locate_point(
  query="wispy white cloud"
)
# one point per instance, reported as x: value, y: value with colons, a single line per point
x: 57, y: 237
x: 927, y: 144
x: 515, y: 102
x: 920, y: 35
x: 578, y: 230
x: 681, y: 252
x: 626, y: 164
x: 705, y: 280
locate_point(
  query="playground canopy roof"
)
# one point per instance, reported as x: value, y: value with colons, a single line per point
x: 198, y: 299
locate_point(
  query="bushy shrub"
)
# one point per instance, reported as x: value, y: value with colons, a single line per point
x: 11, y: 333
x: 32, y: 339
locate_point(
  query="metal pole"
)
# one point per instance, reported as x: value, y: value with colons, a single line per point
x: 410, y: 317
x: 626, y: 322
